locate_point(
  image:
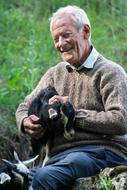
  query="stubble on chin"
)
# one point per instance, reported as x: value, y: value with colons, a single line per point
x: 67, y: 57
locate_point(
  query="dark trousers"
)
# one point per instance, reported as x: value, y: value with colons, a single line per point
x: 71, y: 164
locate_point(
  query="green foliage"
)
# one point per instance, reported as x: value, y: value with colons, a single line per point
x: 106, y: 184
x: 27, y: 50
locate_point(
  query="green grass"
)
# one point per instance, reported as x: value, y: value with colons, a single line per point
x: 106, y: 183
x: 27, y: 50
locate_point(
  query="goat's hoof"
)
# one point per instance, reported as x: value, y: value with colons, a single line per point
x: 69, y: 135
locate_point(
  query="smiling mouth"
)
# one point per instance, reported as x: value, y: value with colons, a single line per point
x: 65, y: 51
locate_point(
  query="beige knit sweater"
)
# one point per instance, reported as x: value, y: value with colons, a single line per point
x: 99, y: 96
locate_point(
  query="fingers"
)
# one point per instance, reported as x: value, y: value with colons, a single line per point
x: 34, y: 118
x: 53, y: 99
x: 32, y: 127
x: 65, y: 99
x: 31, y: 122
x: 62, y: 99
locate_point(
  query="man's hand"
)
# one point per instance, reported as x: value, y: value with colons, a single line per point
x: 32, y: 127
x: 62, y: 99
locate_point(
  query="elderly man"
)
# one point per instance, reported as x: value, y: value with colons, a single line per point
x: 97, y: 88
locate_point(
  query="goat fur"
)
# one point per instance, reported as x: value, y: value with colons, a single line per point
x: 55, y: 118
x: 14, y: 175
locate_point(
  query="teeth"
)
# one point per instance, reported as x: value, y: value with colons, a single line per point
x: 64, y: 50
x: 61, y: 49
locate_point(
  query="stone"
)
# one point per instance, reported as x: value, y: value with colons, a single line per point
x: 108, y: 179
x: 89, y: 183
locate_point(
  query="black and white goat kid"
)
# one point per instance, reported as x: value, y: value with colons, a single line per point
x: 14, y: 175
x: 56, y: 118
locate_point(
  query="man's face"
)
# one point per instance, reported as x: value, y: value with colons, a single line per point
x: 71, y: 43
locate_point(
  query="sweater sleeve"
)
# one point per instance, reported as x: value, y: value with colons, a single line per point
x: 113, y: 119
x: 22, y: 110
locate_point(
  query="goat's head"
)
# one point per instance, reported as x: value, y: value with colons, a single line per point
x: 16, y: 174
x: 45, y: 110
x: 20, y: 166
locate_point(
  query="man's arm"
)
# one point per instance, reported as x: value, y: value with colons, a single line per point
x: 112, y: 120
x: 29, y: 124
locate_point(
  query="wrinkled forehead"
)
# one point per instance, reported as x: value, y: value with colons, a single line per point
x: 62, y: 20
x: 62, y: 26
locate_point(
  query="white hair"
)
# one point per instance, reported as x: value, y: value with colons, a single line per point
x: 77, y: 15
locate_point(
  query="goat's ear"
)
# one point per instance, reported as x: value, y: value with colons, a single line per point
x: 16, y: 156
x: 9, y: 164
x: 30, y: 161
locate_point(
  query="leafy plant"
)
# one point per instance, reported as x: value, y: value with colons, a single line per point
x: 106, y: 184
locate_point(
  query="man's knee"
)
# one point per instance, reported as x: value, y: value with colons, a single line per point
x: 81, y: 164
x: 78, y: 158
x: 41, y: 177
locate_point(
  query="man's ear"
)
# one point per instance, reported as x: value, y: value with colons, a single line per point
x: 86, y: 31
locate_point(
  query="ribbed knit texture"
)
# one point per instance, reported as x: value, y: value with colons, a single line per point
x: 99, y: 96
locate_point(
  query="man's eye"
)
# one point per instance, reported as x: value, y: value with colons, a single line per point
x: 66, y: 35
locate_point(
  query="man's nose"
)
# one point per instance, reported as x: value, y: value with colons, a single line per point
x: 61, y: 41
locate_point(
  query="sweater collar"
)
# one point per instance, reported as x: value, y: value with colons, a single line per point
x: 88, y: 63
